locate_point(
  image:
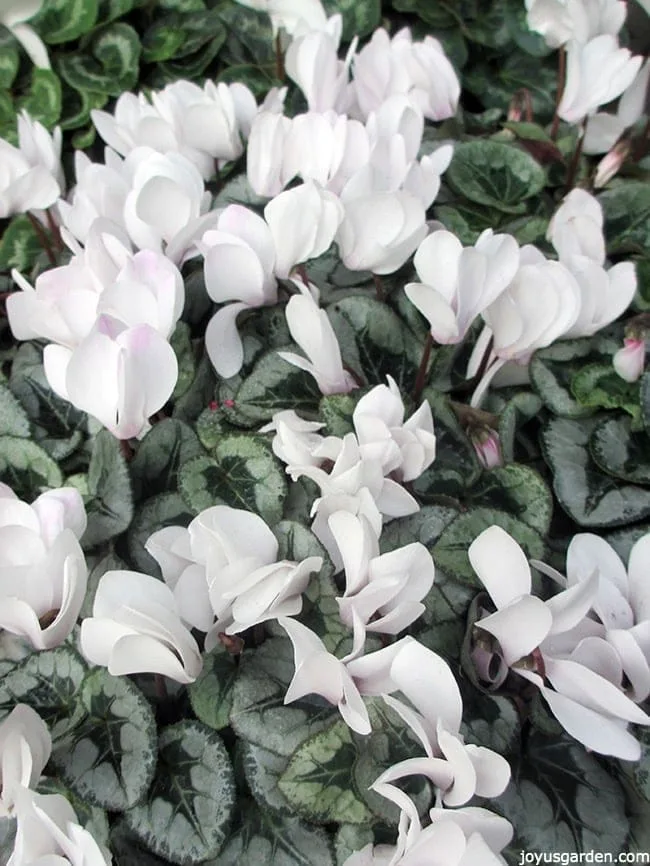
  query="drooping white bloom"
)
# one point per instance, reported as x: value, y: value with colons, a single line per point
x: 629, y: 362
x: 421, y: 70
x: 380, y: 231
x: 458, y: 283
x: 303, y: 222
x: 48, y: 832
x: 540, y: 305
x: 458, y: 770
x: 604, y: 295
x: 383, y: 592
x: 43, y: 574
x: 342, y: 682
x: 622, y: 601
x: 604, y: 129
x: 312, y: 62
x: 224, y: 574
x: 120, y: 375
x: 586, y: 703
x: 597, y: 72
x: 239, y: 263
x: 32, y: 177
x: 558, y: 21
x: 136, y: 628
x: 13, y: 15
x: 25, y: 748
x: 405, y: 449
x: 62, y: 305
x: 576, y: 228
x: 311, y: 329
x: 297, y: 441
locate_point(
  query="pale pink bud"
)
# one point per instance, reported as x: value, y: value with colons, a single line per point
x: 630, y: 360
x: 611, y: 163
x: 487, y: 446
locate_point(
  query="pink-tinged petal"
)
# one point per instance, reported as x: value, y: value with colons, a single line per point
x: 520, y: 627
x: 639, y: 579
x: 591, y: 690
x: 222, y: 341
x: 629, y: 362
x: 427, y: 681
x: 601, y: 734
x: 58, y: 510
x: 634, y: 663
x: 501, y: 565
x: 151, y: 371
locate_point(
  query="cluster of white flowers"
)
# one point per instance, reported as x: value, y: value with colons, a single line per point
x: 590, y: 642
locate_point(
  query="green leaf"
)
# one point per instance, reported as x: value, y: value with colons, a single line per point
x: 450, y: 551
x: 181, y: 343
x: 9, y: 60
x: 641, y: 769
x: 627, y: 217
x: 110, y: 757
x: 109, y: 10
x: 317, y: 779
x: 266, y: 839
x: 20, y: 246
x: 48, y: 682
x: 180, y: 34
x: 187, y: 812
x: 110, y: 508
x: 467, y: 220
x: 517, y: 490
x: 495, y: 174
x: 516, y: 19
x: 620, y: 451
x: 166, y: 509
x: 426, y: 526
x: 517, y: 411
x: 561, y: 799
x: 349, y: 839
x: 13, y: 419
x: 26, y: 468
x: 588, y: 496
x: 374, y: 341
x: 262, y: 769
x: 360, y: 17
x: 336, y: 411
x: 113, y: 65
x: 65, y: 20
x: 166, y: 447
x: 243, y: 474
x: 496, y: 84
x: 599, y: 386
x: 274, y: 385
x: 552, y: 371
x: 43, y: 99
x: 211, y: 694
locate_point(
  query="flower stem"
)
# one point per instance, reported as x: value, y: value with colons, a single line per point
x: 43, y: 239
x: 422, y: 371
x: 127, y: 451
x: 161, y: 687
x: 575, y: 162
x: 561, y: 80
x: 279, y: 59
x: 55, y: 231
x: 379, y: 288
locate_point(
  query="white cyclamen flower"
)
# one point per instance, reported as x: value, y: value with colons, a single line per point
x: 224, y: 567
x: 297, y: 441
x: 265, y: 153
x: 576, y: 227
x: 136, y: 628
x: 13, y: 15
x: 31, y: 177
x: 311, y: 329
x: 458, y: 283
x: 420, y: 70
x: 604, y: 129
x: 48, y: 832
x: 558, y: 21
x: 457, y: 770
x: 25, y: 748
x: 43, y: 573
x: 597, y: 73
x: 303, y: 222
x: 405, y: 449
x: 120, y: 375
x: 239, y: 262
x: 604, y: 295
x: 312, y: 62
x: 381, y: 231
x: 383, y: 592
x: 570, y: 646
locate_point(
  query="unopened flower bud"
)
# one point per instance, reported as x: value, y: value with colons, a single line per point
x: 487, y: 445
x: 611, y: 163
x: 630, y: 360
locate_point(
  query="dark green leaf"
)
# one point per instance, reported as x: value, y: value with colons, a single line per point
x: 19, y: 246
x: 274, y: 385
x: 620, y: 451
x: 13, y: 419
x: 211, y: 693
x: 110, y: 508
x: 26, y: 468
x: 65, y: 20
x: 160, y: 455
x: 599, y: 386
x: 627, y: 217
x: 166, y: 509
x: 43, y: 99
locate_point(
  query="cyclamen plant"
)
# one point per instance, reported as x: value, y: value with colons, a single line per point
x: 324, y: 460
